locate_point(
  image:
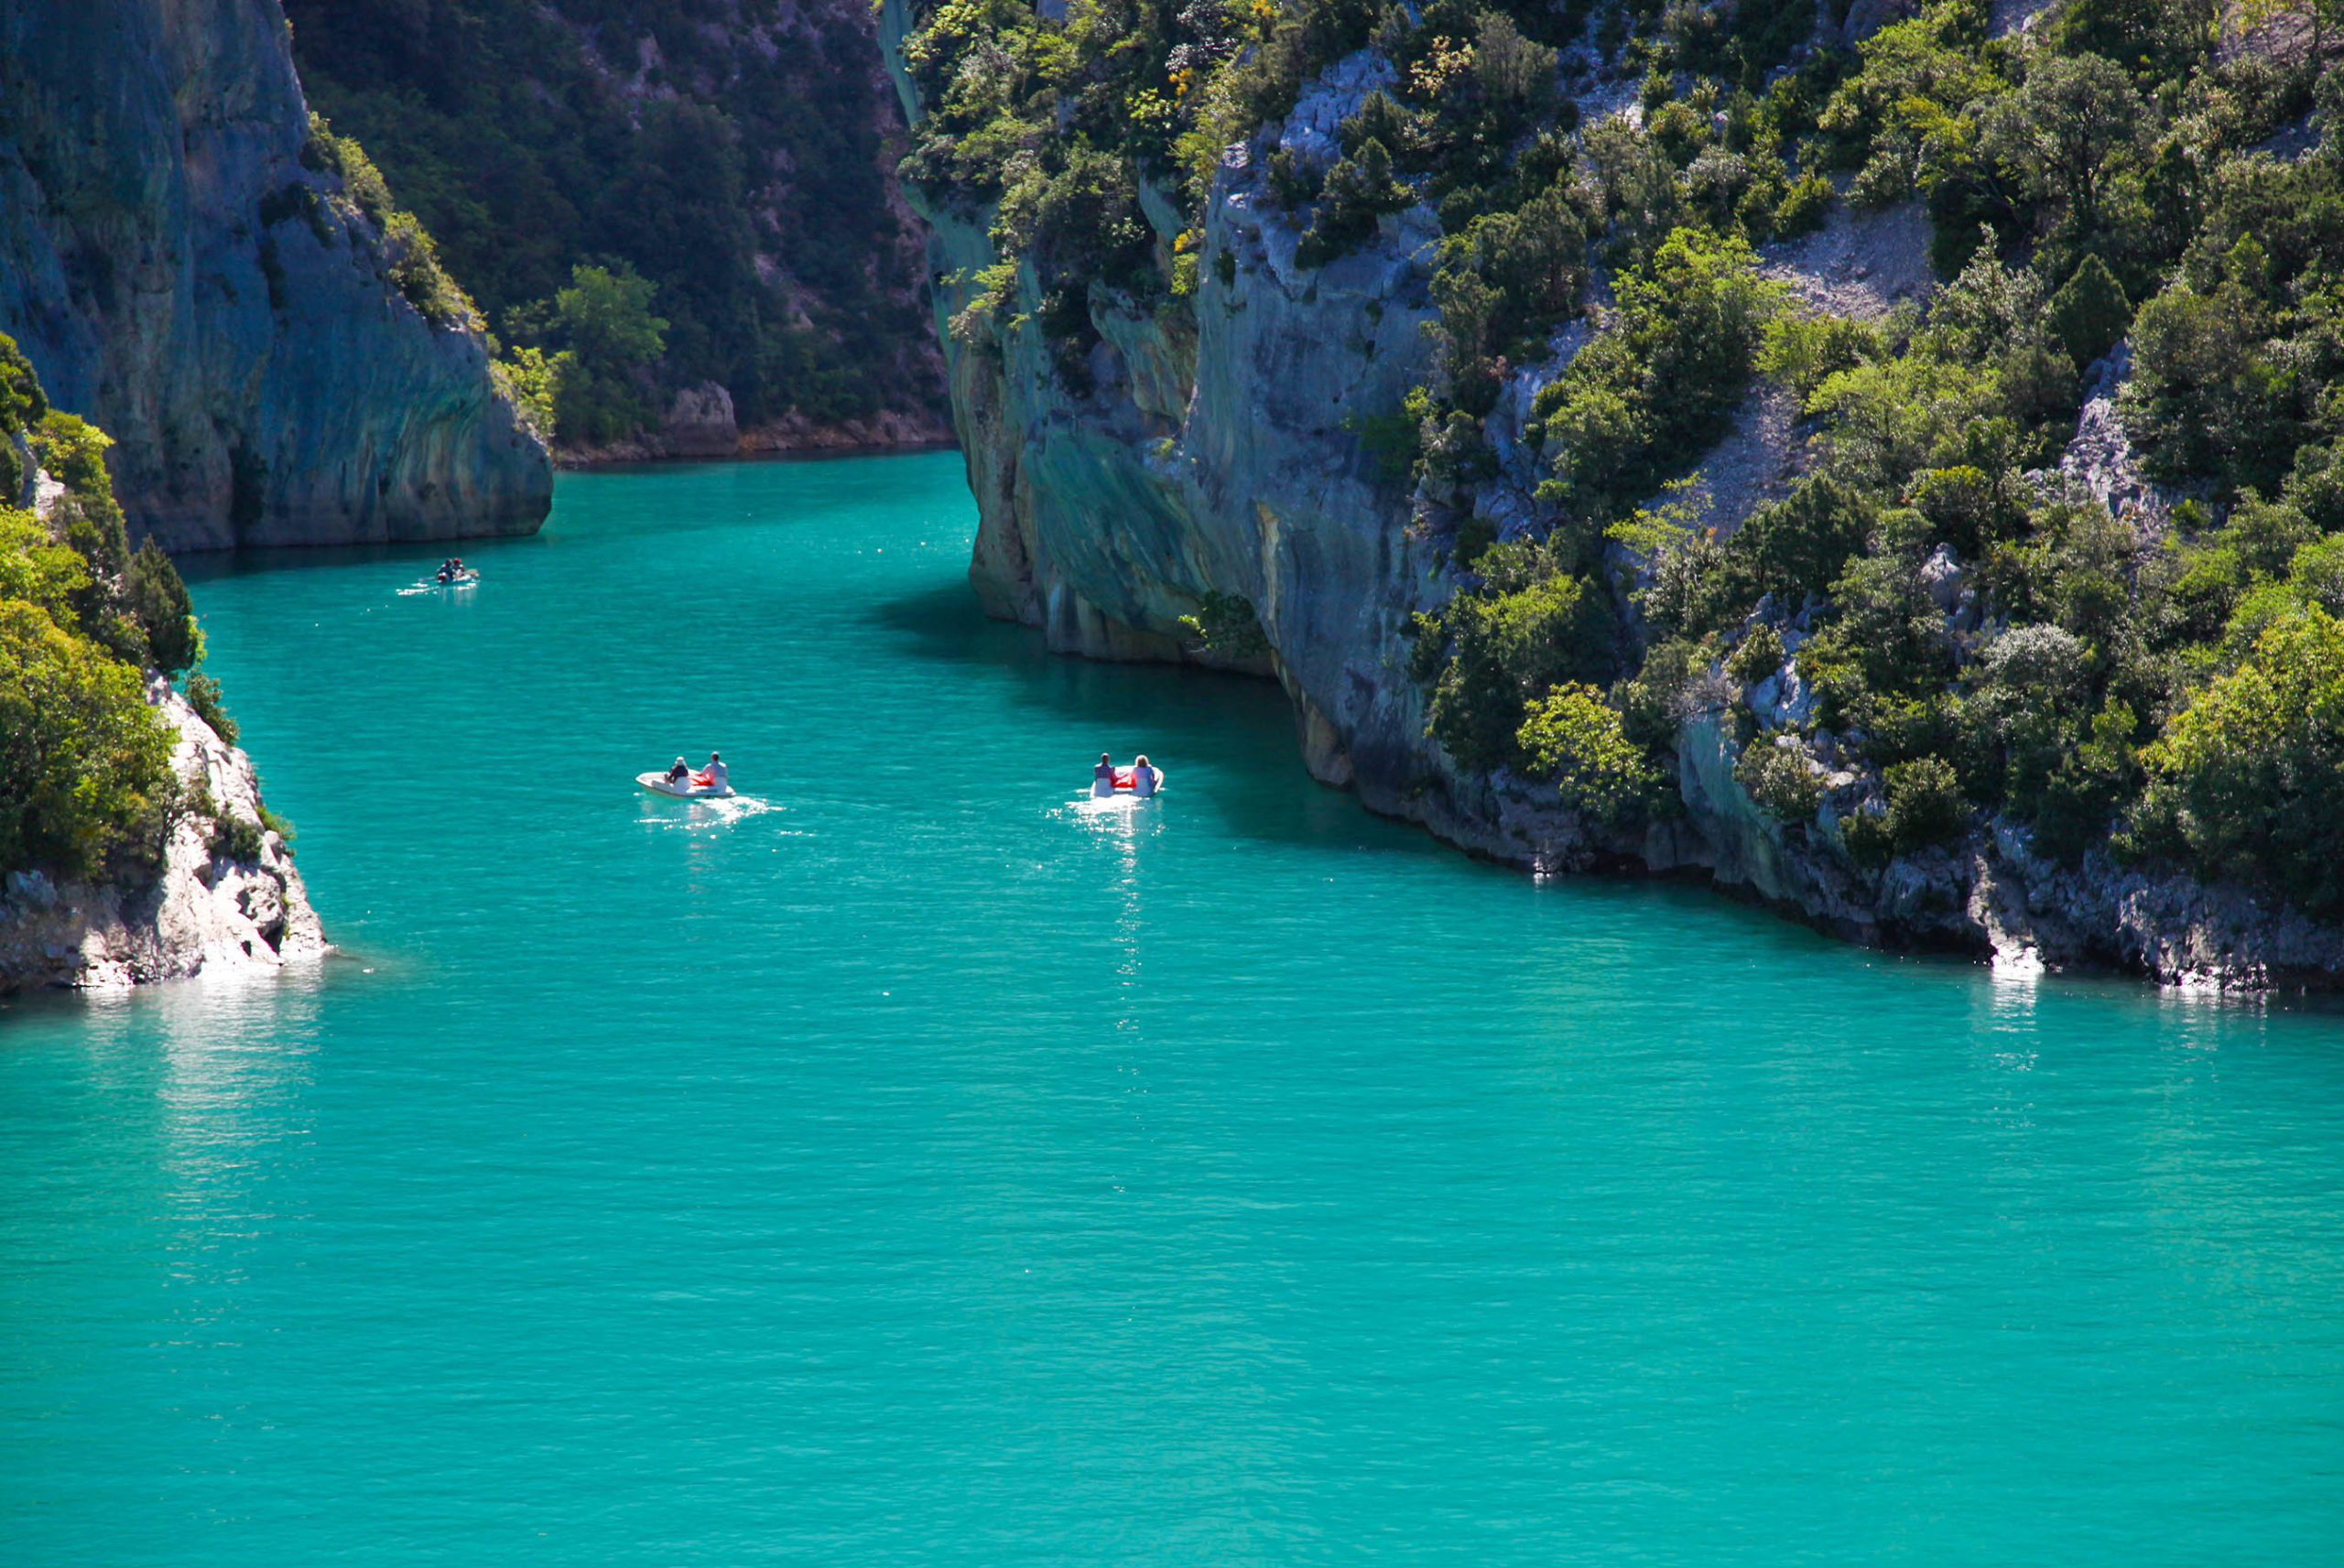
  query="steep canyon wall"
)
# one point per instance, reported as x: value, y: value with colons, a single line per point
x: 178, y: 274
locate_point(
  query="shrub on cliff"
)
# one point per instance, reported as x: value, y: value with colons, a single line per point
x: 1532, y: 628
x: 86, y: 787
x: 1573, y: 737
x: 1662, y: 375
x: 160, y: 603
x: 2248, y: 782
x: 1358, y: 190
x: 1780, y: 780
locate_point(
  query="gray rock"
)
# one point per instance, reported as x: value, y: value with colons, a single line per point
x: 31, y: 890
x: 700, y: 424
x: 1942, y: 577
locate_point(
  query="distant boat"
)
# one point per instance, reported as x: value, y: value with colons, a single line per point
x: 436, y: 583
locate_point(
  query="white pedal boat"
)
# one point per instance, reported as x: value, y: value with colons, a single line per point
x: 684, y: 789
x: 1123, y: 786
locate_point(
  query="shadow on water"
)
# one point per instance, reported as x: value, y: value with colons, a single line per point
x: 213, y: 565
x: 1231, y: 738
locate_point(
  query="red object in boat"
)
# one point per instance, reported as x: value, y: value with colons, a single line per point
x: 701, y: 781
x: 1124, y: 778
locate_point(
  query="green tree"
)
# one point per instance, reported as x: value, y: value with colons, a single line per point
x: 159, y: 602
x: 2248, y: 782
x: 1574, y: 737
x: 2089, y: 312
x: 599, y: 381
x: 607, y: 318
x: 1491, y: 653
x: 2063, y: 129
x: 86, y: 761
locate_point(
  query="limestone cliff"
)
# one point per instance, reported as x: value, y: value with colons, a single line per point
x: 1218, y: 453
x: 179, y: 274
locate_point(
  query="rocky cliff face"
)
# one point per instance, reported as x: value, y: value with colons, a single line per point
x: 177, y: 274
x: 204, y: 912
x: 1220, y: 454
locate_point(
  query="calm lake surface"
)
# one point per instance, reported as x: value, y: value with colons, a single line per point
x: 905, y: 1164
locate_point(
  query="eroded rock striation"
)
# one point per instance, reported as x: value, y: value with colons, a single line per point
x: 180, y: 275
x: 1218, y: 452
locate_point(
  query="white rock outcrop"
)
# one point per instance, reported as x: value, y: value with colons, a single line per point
x: 199, y: 914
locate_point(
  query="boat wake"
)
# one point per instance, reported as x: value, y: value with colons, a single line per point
x: 705, y: 815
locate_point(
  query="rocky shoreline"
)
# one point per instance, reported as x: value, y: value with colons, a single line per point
x: 201, y: 912
x: 700, y: 424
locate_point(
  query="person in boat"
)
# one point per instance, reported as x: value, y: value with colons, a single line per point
x: 681, y: 772
x: 1103, y: 777
x: 448, y: 569
x: 716, y: 778
x: 1144, y: 778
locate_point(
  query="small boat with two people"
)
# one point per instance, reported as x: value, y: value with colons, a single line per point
x: 684, y: 782
x: 1138, y: 781
x: 452, y: 573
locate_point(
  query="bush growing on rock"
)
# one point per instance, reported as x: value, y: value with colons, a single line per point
x: 2248, y: 782
x: 1926, y: 806
x: 234, y: 839
x: 159, y: 602
x: 203, y: 695
x: 1661, y: 376
x: 2089, y: 312
x: 1228, y: 624
x: 1489, y: 654
x: 1780, y: 779
x: 1357, y: 191
x: 1758, y: 655
x: 1574, y: 737
x: 1795, y: 548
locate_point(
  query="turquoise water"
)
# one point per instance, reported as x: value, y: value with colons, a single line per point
x: 905, y: 1165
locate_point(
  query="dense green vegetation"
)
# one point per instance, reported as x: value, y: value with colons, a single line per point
x: 86, y: 785
x: 726, y: 153
x: 1972, y: 633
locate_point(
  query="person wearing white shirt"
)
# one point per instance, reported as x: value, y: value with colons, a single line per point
x: 716, y: 771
